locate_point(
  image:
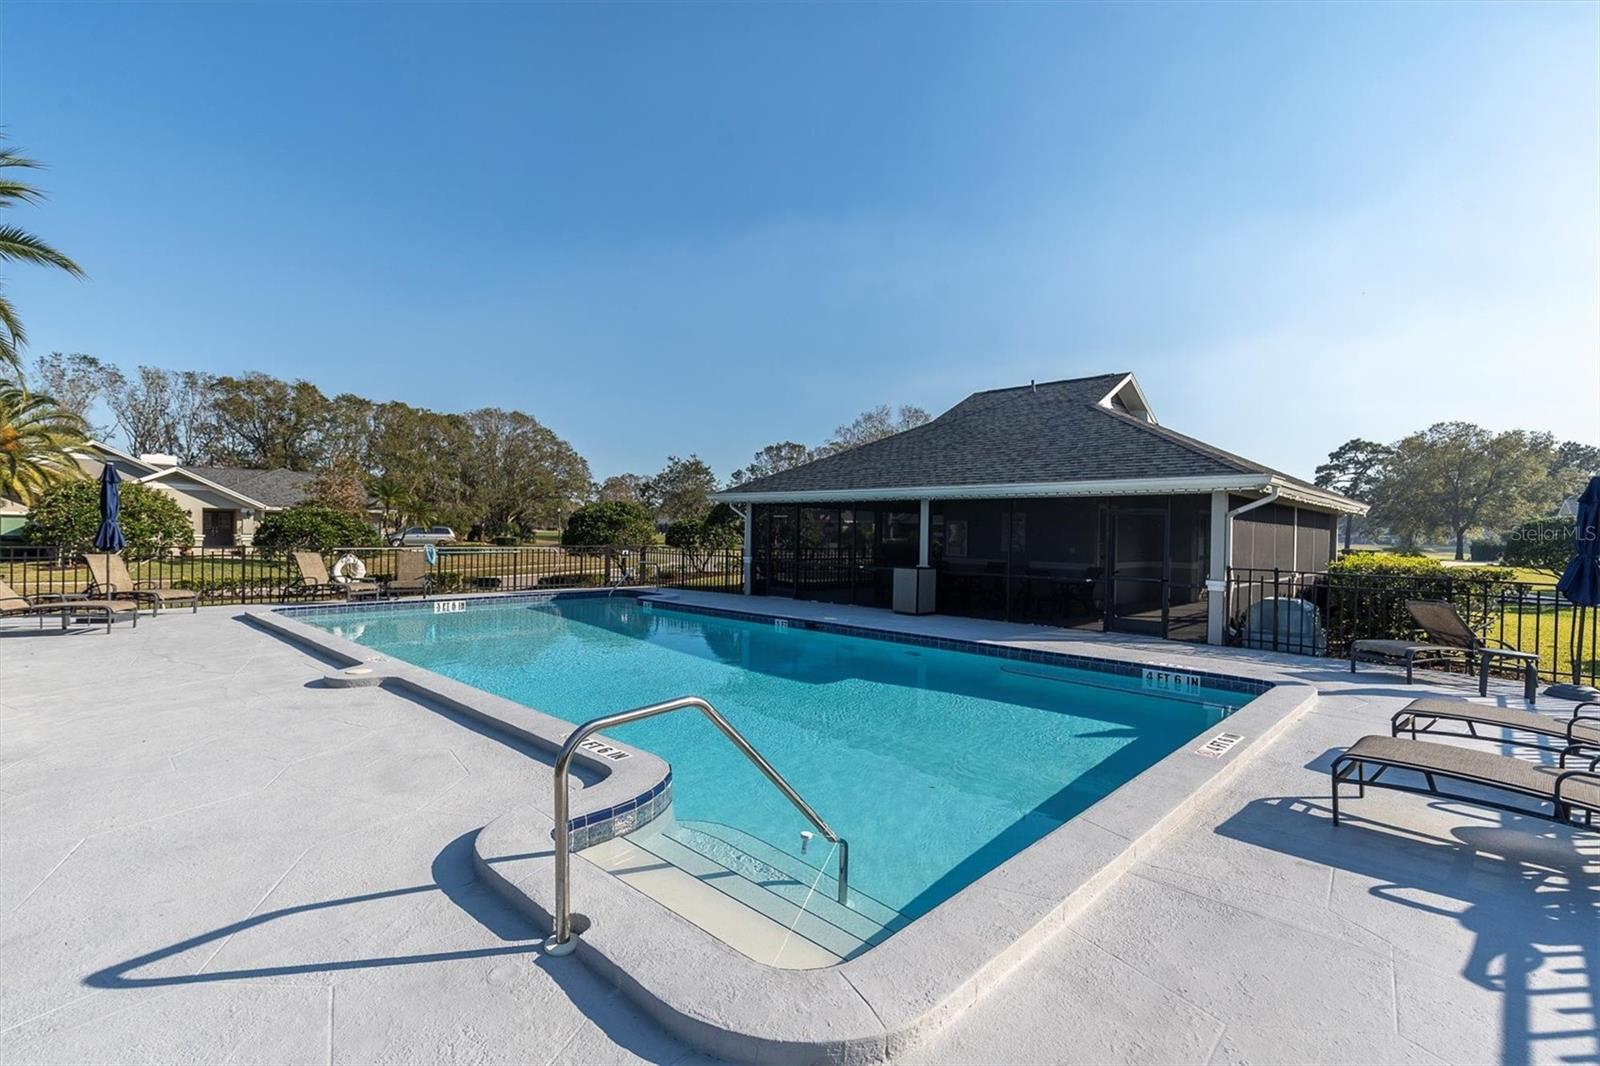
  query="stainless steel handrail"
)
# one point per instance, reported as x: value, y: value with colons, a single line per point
x: 562, y: 940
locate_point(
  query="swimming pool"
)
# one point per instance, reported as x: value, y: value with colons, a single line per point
x: 937, y: 765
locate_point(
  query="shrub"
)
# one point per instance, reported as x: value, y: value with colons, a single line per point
x: 611, y: 522
x: 68, y: 515
x: 701, y: 538
x: 1486, y: 551
x: 1542, y: 544
x: 1367, y: 592
x: 310, y: 526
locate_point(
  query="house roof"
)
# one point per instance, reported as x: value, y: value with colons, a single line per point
x: 271, y: 488
x: 1079, y: 435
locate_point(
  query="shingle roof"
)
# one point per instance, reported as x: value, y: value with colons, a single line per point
x: 1054, y: 431
x: 275, y: 488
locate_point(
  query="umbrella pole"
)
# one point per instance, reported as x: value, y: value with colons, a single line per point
x: 1577, y: 648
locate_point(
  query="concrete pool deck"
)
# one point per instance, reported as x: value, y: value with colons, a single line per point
x: 206, y: 857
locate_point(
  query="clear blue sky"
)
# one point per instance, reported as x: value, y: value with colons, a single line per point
x: 705, y: 228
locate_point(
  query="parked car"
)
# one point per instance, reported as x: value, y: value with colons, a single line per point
x: 417, y: 536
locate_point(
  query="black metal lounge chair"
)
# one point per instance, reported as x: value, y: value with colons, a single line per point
x: 314, y: 580
x: 67, y: 605
x: 1364, y: 763
x: 109, y: 577
x: 1449, y: 636
x: 411, y: 575
x: 1432, y: 717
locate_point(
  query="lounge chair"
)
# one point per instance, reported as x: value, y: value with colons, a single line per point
x: 1432, y: 717
x: 315, y: 581
x: 411, y: 576
x: 109, y: 577
x: 67, y: 605
x: 1364, y: 763
x: 1449, y: 636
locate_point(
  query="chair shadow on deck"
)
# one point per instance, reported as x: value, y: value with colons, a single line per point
x: 455, y: 877
x: 1526, y: 889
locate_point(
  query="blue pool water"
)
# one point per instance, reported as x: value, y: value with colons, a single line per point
x: 936, y: 765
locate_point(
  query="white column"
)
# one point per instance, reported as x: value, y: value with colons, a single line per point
x: 1217, y: 570
x: 749, y: 544
x: 924, y: 533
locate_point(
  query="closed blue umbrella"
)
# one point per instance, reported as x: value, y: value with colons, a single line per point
x: 1580, y: 582
x: 109, y: 538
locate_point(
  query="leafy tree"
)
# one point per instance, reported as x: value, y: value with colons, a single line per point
x: 611, y: 522
x: 1543, y: 544
x: 19, y: 246
x: 68, y: 515
x: 874, y: 424
x: 424, y: 454
x: 172, y: 412
x: 1354, y: 469
x: 1454, y: 476
x: 339, y: 488
x: 773, y: 459
x: 346, y: 433
x: 36, y: 440
x: 682, y: 490
x: 1572, y: 465
x: 76, y: 380
x: 269, y: 423
x: 523, y: 477
x: 630, y: 487
x: 308, y: 525
x: 701, y: 539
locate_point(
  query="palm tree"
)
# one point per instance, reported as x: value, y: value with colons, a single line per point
x: 393, y: 500
x: 19, y: 246
x: 37, y: 436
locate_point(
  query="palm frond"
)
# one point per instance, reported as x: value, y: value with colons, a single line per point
x: 18, y: 192
x: 37, y: 437
x: 12, y: 335
x: 13, y: 157
x: 20, y: 246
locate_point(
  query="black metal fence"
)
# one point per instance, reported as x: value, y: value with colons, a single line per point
x: 1313, y: 613
x: 243, y: 575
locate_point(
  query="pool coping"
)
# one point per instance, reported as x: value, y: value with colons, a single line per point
x: 628, y: 787
x: 886, y: 1000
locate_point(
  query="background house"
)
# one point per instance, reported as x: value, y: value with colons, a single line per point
x: 1065, y: 503
x: 224, y: 503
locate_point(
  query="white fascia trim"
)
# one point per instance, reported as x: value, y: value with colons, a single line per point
x: 1109, y: 487
x: 1106, y: 487
x: 1329, y: 500
x: 192, y: 476
x: 97, y: 451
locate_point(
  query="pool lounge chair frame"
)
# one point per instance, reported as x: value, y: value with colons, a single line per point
x: 314, y: 579
x: 1428, y: 759
x: 411, y: 575
x: 108, y: 576
x: 65, y: 604
x: 1448, y: 636
x: 1426, y: 717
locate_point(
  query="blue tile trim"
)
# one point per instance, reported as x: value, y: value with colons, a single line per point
x: 472, y: 600
x: 1224, y: 682
x: 594, y: 827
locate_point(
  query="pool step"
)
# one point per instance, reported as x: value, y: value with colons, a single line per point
x: 782, y: 895
x: 789, y: 875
